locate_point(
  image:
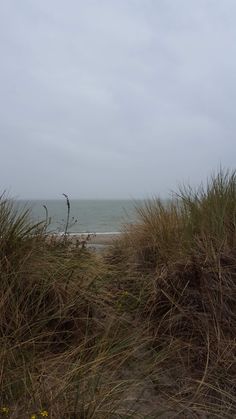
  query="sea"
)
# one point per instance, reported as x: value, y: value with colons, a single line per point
x: 86, y: 216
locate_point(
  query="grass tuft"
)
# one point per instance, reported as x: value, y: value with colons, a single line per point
x: 181, y: 256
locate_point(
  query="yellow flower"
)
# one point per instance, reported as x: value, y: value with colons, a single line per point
x: 33, y: 417
x: 44, y: 413
x: 5, y: 410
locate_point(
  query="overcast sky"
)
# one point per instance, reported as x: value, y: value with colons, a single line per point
x: 115, y: 98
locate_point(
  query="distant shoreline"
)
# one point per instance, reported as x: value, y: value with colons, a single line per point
x: 94, y: 239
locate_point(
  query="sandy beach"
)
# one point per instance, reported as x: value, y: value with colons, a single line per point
x: 103, y: 239
x: 96, y: 241
x: 95, y: 238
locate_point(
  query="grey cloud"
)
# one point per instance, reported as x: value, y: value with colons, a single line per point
x: 115, y: 99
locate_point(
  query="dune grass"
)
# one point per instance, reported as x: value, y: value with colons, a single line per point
x: 62, y: 346
x: 184, y: 252
x: 145, y: 330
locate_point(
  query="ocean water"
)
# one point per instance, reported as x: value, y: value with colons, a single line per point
x: 93, y: 216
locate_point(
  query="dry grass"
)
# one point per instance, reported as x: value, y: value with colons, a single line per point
x: 63, y: 344
x: 146, y: 331
x: 181, y: 257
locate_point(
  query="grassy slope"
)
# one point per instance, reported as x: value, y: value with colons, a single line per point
x: 146, y: 330
x: 65, y: 347
x: 180, y: 263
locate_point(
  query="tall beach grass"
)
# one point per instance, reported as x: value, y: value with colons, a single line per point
x: 182, y: 258
x: 62, y: 346
x: 145, y: 330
